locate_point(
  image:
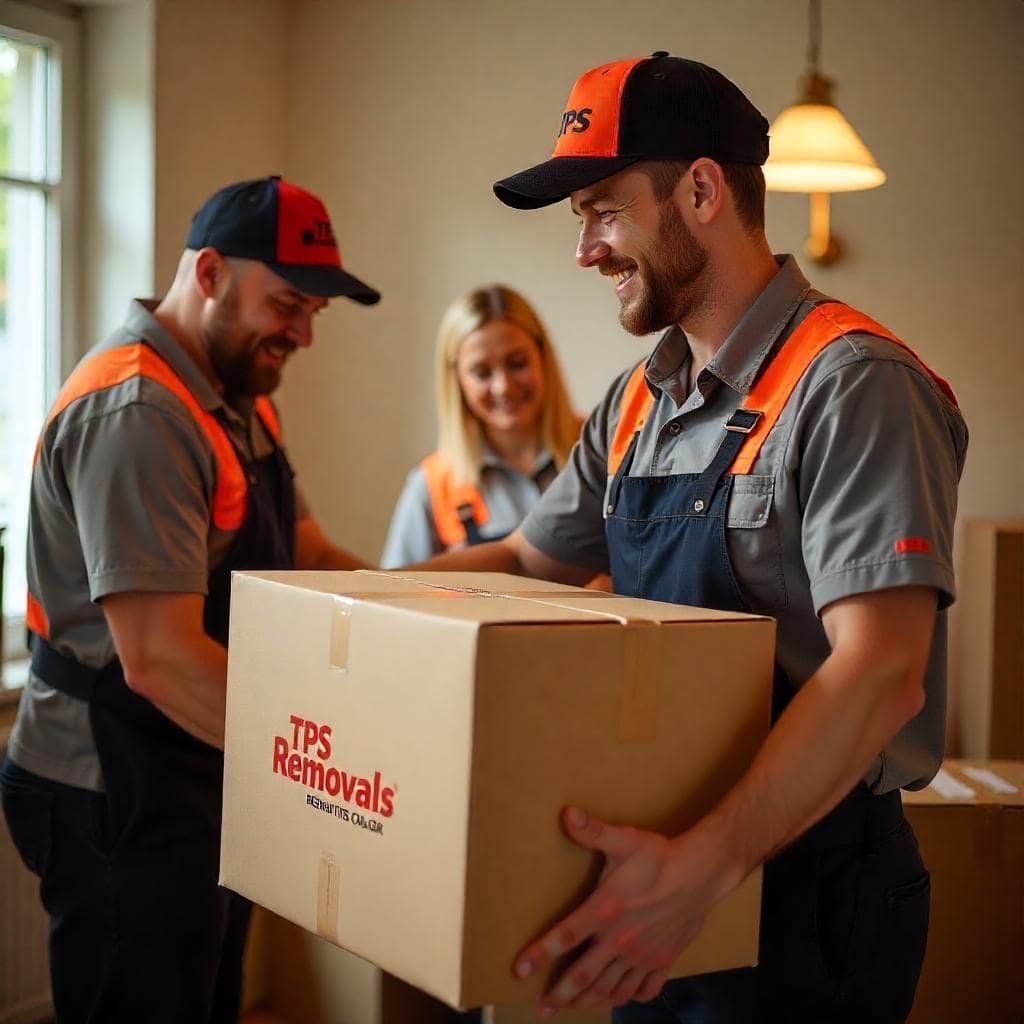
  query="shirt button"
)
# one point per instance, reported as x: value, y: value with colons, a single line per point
x: 675, y: 427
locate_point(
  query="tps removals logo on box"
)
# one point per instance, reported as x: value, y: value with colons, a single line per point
x: 304, y: 759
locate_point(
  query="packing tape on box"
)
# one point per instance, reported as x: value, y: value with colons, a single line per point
x: 431, y: 588
x: 637, y: 720
x: 328, y: 897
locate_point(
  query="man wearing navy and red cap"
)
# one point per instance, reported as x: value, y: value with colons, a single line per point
x: 159, y: 471
x: 777, y: 452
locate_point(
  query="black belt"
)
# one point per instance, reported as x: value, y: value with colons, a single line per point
x: 65, y: 673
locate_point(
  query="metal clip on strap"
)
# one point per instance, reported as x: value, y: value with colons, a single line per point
x: 743, y: 421
x: 739, y: 424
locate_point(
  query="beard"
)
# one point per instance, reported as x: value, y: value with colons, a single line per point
x: 673, y: 276
x: 234, y: 355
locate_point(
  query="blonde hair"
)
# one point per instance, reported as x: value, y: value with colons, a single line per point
x: 460, y: 435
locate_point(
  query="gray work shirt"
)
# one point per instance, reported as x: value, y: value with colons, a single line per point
x: 866, y: 453
x: 507, y: 493
x: 120, y: 501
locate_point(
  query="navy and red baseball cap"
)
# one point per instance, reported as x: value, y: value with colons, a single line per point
x: 648, y: 108
x: 283, y: 226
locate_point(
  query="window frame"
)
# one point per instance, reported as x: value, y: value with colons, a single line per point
x: 59, y: 27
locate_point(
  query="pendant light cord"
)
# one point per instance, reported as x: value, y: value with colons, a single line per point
x: 813, y: 33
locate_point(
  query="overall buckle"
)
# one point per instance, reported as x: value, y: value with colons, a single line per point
x: 743, y: 421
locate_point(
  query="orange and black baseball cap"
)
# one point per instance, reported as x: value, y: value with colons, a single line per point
x: 649, y: 108
x: 283, y: 226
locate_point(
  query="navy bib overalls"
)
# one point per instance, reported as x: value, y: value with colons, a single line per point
x: 150, y: 936
x: 843, y: 919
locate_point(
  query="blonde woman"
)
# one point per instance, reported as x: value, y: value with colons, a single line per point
x: 506, y: 427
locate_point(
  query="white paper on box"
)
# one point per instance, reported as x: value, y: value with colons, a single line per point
x: 988, y: 778
x: 949, y: 787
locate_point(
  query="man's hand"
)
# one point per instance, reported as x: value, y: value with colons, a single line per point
x: 649, y: 905
x: 655, y: 892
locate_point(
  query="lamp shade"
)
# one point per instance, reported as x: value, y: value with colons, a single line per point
x: 815, y: 149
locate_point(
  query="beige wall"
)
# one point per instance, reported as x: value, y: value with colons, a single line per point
x: 402, y: 113
x: 117, y: 163
x: 221, y: 95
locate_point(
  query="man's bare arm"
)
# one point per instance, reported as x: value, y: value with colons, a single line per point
x: 313, y: 550
x: 514, y: 554
x: 168, y: 658
x: 656, y: 891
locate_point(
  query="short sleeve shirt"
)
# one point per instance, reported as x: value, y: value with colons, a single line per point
x: 854, y: 490
x: 120, y: 501
x: 507, y: 493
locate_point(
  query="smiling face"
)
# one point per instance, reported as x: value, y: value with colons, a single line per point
x: 660, y: 270
x: 499, y: 370
x: 254, y: 327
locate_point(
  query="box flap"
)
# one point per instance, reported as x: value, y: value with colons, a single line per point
x: 492, y: 598
x: 973, y: 782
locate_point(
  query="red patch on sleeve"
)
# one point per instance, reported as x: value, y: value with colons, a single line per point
x: 912, y: 545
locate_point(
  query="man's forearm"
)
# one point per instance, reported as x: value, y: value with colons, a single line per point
x: 189, y: 685
x: 514, y: 554
x: 495, y: 556
x: 168, y: 658
x: 821, y: 746
x: 655, y: 893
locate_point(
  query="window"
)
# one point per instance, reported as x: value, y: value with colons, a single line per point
x: 33, y: 210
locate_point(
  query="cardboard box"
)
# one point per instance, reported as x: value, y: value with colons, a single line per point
x: 988, y: 691
x: 399, y: 750
x: 306, y: 980
x: 972, y: 841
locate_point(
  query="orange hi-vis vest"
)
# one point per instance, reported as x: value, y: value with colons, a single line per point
x: 766, y: 400
x: 115, y: 366
x: 453, y: 505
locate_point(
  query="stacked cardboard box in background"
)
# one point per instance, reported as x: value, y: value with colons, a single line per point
x: 399, y: 750
x: 970, y: 824
x: 988, y: 684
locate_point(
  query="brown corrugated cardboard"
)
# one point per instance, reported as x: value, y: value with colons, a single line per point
x: 972, y: 841
x: 399, y: 748
x: 988, y: 693
x: 296, y: 977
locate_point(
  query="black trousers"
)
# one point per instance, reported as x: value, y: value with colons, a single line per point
x: 844, y: 922
x: 139, y: 929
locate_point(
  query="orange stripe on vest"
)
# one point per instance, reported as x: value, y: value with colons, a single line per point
x: 823, y: 325
x: 35, y: 618
x: 268, y: 414
x: 117, y: 365
x: 446, y: 497
x: 635, y: 404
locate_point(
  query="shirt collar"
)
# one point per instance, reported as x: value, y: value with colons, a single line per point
x: 141, y: 323
x: 739, y: 360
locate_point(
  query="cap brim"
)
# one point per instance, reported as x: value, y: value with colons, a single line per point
x: 326, y: 282
x: 556, y: 179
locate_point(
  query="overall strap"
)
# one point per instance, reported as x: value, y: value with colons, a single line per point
x: 823, y: 325
x: 268, y: 415
x: 634, y: 406
x: 455, y: 507
x: 115, y: 366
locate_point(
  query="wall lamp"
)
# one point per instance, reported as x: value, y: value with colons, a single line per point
x: 815, y: 149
